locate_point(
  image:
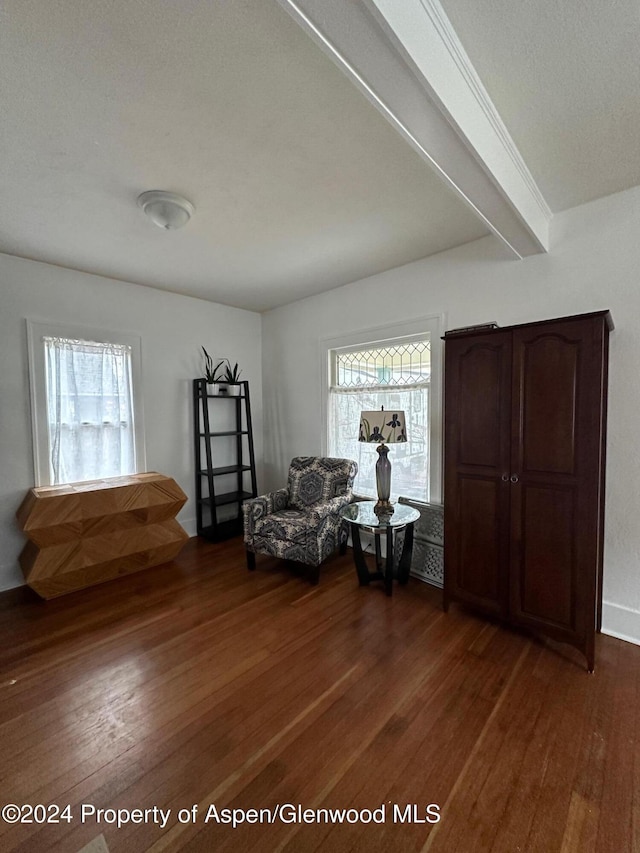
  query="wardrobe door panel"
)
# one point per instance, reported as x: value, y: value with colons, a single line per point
x: 477, y: 435
x: 481, y: 368
x: 550, y: 374
x: 556, y: 441
x: 547, y: 594
x: 479, y: 540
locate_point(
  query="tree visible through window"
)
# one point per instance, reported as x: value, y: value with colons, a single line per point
x: 89, y: 402
x: 395, y: 375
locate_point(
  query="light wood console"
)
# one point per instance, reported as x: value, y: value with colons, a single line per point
x: 86, y: 533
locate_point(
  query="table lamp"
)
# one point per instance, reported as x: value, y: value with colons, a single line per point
x: 382, y: 427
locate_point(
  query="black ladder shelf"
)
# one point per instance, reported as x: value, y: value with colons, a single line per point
x: 224, y: 458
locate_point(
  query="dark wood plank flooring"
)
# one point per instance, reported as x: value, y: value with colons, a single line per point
x: 199, y: 683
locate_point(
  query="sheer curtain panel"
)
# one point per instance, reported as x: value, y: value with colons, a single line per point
x: 89, y: 410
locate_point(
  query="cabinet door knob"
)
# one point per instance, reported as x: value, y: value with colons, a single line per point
x: 505, y: 478
x: 514, y: 478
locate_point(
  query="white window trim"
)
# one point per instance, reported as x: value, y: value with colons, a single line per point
x: 36, y: 330
x: 378, y: 336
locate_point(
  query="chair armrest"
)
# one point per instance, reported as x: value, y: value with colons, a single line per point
x: 256, y: 508
x: 332, y: 507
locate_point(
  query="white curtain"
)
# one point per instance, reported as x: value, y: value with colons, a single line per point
x: 409, y: 461
x: 90, y: 410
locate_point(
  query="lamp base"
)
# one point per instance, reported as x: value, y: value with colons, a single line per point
x: 383, y: 482
x: 383, y: 509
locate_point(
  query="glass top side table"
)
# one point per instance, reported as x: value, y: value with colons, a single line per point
x: 360, y: 516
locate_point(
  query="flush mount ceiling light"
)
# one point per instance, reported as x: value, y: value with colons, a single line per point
x: 166, y: 210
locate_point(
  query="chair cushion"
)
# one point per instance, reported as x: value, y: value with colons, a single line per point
x: 291, y: 525
x: 289, y: 535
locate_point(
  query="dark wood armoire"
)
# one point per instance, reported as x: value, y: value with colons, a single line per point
x: 525, y: 423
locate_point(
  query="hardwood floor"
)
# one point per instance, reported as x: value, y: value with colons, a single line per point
x: 200, y: 683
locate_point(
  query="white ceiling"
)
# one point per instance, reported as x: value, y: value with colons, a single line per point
x: 565, y: 77
x: 300, y: 184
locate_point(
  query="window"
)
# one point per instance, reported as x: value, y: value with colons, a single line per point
x: 89, y: 410
x: 398, y: 374
x: 85, y: 417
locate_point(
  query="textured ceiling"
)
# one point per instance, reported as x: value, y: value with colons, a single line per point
x: 300, y: 184
x: 565, y: 78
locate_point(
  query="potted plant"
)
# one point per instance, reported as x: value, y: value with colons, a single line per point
x: 231, y: 375
x: 224, y: 379
x: 214, y: 374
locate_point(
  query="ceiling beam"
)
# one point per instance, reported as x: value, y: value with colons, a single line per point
x: 407, y: 60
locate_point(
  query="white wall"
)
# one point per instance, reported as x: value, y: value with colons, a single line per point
x: 594, y: 264
x: 172, y: 329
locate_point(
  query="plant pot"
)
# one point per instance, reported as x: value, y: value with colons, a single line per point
x: 219, y: 389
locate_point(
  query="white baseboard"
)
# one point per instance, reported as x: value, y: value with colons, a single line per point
x: 190, y: 525
x: 621, y: 622
x: 10, y: 576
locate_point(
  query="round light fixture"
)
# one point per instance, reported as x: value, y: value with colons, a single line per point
x: 166, y: 210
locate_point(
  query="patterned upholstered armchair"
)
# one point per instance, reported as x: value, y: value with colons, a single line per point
x: 302, y: 522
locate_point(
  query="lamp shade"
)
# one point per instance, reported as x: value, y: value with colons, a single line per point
x: 380, y: 426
